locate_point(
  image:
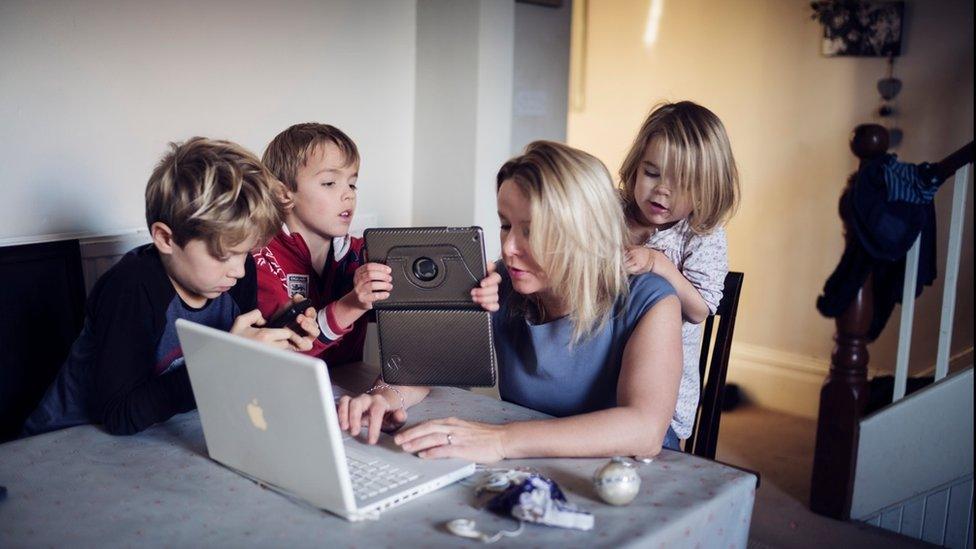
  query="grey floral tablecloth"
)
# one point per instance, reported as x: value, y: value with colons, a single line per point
x: 84, y: 488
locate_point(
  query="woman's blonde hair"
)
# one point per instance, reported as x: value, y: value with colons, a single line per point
x: 698, y: 159
x: 577, y: 229
x: 216, y: 191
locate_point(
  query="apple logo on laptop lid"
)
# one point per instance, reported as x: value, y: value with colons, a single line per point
x: 256, y: 413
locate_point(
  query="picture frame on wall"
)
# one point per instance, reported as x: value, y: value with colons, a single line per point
x: 860, y: 28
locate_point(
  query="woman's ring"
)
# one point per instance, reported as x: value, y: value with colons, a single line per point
x: 450, y: 439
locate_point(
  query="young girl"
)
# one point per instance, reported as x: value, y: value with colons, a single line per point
x: 680, y: 185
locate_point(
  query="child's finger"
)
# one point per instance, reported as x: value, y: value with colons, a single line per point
x: 400, y: 416
x: 250, y: 318
x: 309, y: 322
x: 275, y: 334
x: 356, y: 409
x: 296, y: 341
x: 310, y: 326
x: 376, y: 277
x: 376, y: 413
x: 304, y: 343
x: 342, y: 410
x: 376, y: 269
x: 276, y: 343
x: 377, y: 296
x: 379, y: 286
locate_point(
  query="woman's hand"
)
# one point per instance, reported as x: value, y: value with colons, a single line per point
x: 486, y: 294
x: 375, y: 411
x: 455, y: 438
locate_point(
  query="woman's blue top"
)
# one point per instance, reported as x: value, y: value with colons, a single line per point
x: 539, y: 369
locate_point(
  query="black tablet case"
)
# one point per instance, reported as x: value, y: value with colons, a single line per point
x: 430, y: 331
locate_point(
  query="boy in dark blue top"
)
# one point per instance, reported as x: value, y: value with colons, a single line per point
x: 208, y: 204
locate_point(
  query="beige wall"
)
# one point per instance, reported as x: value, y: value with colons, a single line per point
x: 789, y: 112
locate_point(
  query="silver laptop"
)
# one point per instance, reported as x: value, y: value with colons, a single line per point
x: 270, y: 415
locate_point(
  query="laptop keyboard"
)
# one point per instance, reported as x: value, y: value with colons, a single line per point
x: 375, y: 476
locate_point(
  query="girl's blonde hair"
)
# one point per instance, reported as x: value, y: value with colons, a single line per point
x: 698, y: 159
x: 577, y: 233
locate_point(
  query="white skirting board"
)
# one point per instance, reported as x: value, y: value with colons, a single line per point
x: 790, y: 383
x: 942, y: 516
x: 778, y: 380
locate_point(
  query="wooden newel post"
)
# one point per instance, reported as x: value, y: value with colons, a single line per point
x: 843, y: 398
x: 844, y: 394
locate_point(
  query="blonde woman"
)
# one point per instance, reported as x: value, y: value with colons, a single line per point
x: 576, y: 338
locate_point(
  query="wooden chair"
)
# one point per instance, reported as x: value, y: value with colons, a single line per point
x: 704, y: 438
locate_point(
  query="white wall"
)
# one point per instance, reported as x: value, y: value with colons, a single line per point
x: 541, y: 73
x: 91, y: 92
x: 446, y: 102
x: 463, y: 112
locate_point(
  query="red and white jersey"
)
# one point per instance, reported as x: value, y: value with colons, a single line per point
x: 285, y: 268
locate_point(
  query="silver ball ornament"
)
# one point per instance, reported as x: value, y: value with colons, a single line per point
x: 617, y: 482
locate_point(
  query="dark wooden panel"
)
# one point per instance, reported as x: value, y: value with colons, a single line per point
x: 42, y: 295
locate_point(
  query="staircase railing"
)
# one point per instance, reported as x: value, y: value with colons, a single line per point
x: 844, y: 395
x: 951, y: 276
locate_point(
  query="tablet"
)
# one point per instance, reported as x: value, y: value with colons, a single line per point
x: 430, y: 331
x: 432, y: 267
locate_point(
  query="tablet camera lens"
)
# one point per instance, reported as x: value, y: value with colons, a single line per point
x: 425, y: 269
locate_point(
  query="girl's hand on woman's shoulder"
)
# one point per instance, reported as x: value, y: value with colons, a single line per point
x: 640, y: 260
x: 455, y: 438
x: 486, y: 294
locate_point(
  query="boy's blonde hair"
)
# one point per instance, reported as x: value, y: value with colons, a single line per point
x: 216, y: 191
x: 289, y: 150
x: 577, y: 229
x: 698, y: 159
